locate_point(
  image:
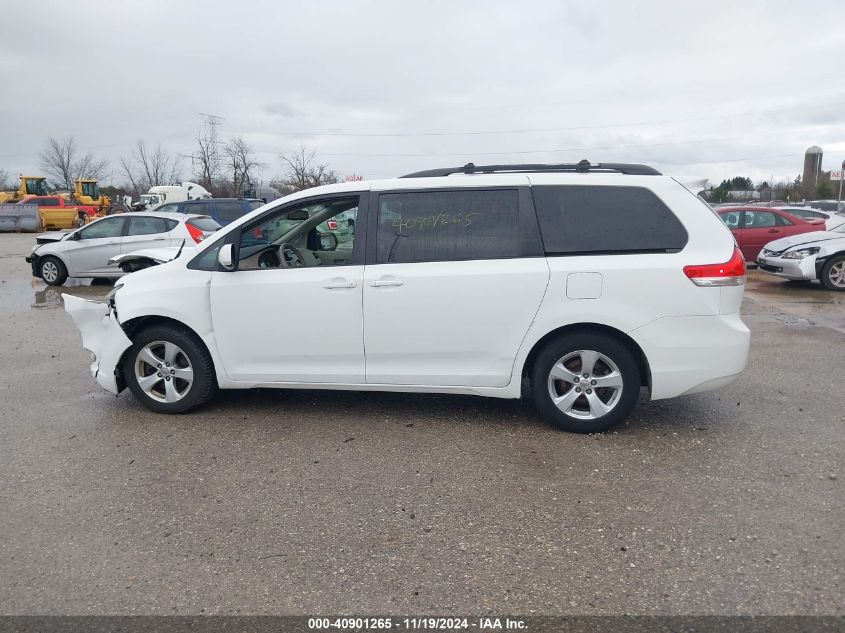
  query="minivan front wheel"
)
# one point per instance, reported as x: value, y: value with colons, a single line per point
x: 585, y: 383
x: 168, y: 370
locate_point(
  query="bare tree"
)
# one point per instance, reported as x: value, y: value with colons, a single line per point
x: 303, y: 172
x: 5, y: 180
x: 204, y: 162
x: 240, y: 163
x: 148, y: 167
x: 65, y: 162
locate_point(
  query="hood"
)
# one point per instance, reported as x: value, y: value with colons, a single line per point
x: 158, y: 255
x: 52, y: 236
x: 804, y: 239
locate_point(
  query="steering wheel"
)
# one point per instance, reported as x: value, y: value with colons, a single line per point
x: 291, y: 256
x: 269, y: 259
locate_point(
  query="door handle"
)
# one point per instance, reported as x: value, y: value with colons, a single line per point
x: 159, y: 239
x: 773, y: 231
x: 331, y: 284
x: 381, y: 283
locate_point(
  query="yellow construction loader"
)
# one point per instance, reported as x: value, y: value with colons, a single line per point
x: 29, y: 186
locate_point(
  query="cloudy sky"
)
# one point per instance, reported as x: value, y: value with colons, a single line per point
x: 379, y: 89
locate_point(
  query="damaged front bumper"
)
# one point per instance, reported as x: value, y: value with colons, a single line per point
x: 102, y: 336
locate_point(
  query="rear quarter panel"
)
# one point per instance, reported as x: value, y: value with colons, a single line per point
x: 636, y: 289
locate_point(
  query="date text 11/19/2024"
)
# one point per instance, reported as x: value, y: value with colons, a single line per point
x: 416, y: 624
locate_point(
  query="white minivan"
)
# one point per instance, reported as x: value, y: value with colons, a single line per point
x: 574, y: 285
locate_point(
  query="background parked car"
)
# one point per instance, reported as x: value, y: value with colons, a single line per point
x: 223, y: 210
x: 831, y: 219
x: 58, y: 213
x: 818, y: 255
x: 86, y: 252
x: 754, y: 227
x: 827, y: 205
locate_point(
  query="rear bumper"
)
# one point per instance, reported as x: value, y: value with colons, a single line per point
x: 693, y: 353
x: 797, y: 269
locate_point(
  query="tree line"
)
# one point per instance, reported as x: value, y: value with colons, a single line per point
x: 788, y: 190
x: 226, y: 170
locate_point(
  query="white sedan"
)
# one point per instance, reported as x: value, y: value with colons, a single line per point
x: 832, y: 219
x: 86, y: 252
x: 818, y: 255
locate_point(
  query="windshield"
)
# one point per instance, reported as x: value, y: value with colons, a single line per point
x: 36, y: 186
x: 90, y: 189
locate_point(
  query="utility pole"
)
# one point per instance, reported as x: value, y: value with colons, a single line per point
x: 212, y: 122
x: 841, y: 178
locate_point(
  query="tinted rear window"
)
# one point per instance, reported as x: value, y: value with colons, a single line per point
x: 206, y: 225
x: 448, y: 225
x: 230, y: 211
x: 200, y: 208
x: 602, y: 219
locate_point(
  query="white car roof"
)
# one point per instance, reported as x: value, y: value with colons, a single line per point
x: 173, y: 215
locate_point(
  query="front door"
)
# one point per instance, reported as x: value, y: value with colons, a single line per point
x: 458, y: 278
x: 289, y: 312
x: 758, y: 229
x: 97, y: 242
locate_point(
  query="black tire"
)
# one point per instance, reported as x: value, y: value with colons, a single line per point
x: 837, y: 263
x: 193, y: 354
x: 608, y: 348
x: 52, y: 270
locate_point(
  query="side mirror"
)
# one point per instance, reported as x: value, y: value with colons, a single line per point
x: 328, y: 241
x: 224, y: 257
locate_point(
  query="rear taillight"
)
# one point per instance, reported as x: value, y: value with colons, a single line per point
x: 332, y: 224
x: 731, y: 273
x: 196, y: 233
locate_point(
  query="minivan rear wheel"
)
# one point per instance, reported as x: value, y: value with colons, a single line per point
x: 585, y: 382
x: 169, y: 370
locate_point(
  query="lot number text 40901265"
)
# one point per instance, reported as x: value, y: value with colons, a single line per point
x: 416, y: 624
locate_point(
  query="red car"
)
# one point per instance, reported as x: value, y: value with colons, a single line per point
x: 754, y: 227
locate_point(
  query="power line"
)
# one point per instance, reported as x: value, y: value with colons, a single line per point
x: 555, y: 129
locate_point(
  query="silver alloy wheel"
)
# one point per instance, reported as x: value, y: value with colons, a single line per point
x: 163, y: 371
x: 49, y: 271
x: 836, y: 274
x: 585, y: 384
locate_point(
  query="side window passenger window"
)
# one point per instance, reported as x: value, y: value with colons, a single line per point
x: 146, y: 226
x: 759, y: 219
x: 429, y: 226
x: 107, y: 227
x: 315, y: 234
x: 583, y: 219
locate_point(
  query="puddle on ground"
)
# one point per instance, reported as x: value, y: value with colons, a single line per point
x: 51, y: 296
x: 805, y: 299
x: 785, y: 291
x: 34, y: 293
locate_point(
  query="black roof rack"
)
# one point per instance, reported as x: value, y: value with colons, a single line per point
x: 584, y: 166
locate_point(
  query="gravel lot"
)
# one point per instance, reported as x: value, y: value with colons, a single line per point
x: 303, y: 502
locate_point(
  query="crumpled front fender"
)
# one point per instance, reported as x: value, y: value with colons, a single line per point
x: 101, y: 335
